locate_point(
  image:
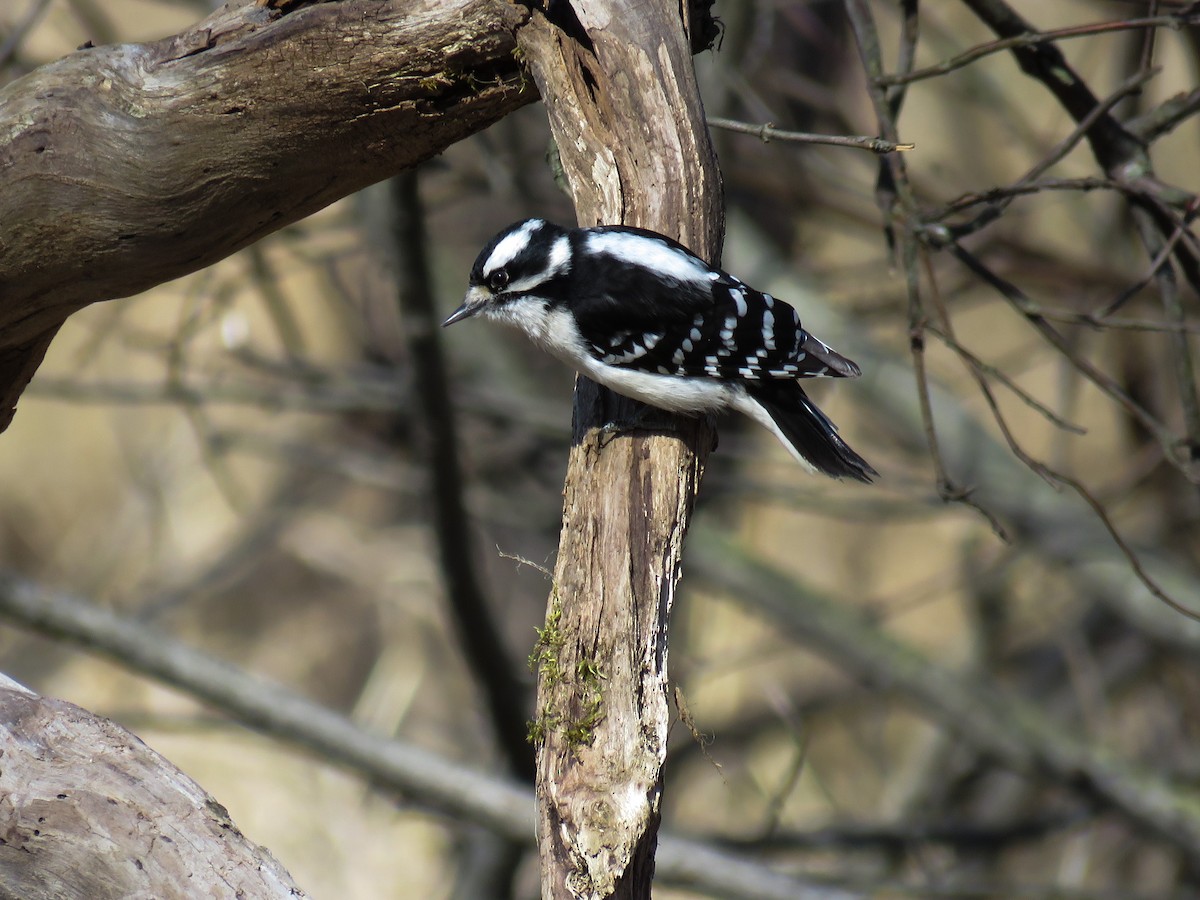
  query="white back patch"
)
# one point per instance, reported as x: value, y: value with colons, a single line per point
x: 652, y: 254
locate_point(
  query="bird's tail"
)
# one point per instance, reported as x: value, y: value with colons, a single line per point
x: 805, y: 430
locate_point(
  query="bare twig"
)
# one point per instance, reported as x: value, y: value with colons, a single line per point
x: 1057, y: 152
x: 1183, y: 365
x: 895, y: 198
x: 1030, y: 311
x: 1056, y: 477
x: 1031, y: 39
x: 769, y: 132
x: 1162, y: 119
x: 991, y: 371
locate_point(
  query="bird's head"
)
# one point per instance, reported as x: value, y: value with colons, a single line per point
x: 517, y: 262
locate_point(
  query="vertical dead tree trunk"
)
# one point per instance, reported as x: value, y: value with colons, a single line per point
x: 619, y: 88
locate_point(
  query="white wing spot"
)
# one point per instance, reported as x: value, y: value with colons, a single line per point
x: 739, y: 298
x: 768, y: 301
x: 635, y: 352
x: 687, y: 345
x: 695, y: 335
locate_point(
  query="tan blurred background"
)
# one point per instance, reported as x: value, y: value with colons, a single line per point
x: 234, y: 456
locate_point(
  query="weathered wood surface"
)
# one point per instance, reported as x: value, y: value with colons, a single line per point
x: 125, y: 166
x: 89, y: 811
x: 627, y: 119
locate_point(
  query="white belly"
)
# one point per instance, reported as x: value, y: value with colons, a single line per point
x: 554, y: 330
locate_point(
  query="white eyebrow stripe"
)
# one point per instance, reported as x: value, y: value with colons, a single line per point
x: 560, y: 264
x: 510, y: 245
x: 652, y: 254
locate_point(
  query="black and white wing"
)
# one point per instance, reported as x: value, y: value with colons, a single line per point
x: 721, y: 329
x: 703, y: 324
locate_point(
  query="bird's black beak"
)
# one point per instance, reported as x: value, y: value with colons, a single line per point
x: 472, y: 303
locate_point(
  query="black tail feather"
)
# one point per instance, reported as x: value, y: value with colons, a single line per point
x: 809, y: 430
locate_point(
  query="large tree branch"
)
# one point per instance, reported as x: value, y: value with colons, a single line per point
x: 91, y: 811
x: 125, y: 166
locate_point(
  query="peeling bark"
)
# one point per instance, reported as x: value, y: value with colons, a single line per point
x: 125, y: 166
x: 622, y: 100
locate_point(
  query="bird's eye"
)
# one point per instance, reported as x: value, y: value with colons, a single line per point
x: 498, y: 280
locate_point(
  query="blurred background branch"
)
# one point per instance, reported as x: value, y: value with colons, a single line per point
x: 880, y: 689
x: 501, y: 805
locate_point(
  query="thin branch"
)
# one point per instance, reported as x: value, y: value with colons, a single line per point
x: 1033, y: 39
x: 768, y: 132
x: 1094, y: 321
x: 1159, y: 265
x: 1081, y: 131
x: 1023, y: 304
x: 894, y: 195
x: 1023, y: 187
x: 990, y: 371
x: 1166, y: 116
x: 910, y: 32
x: 1180, y: 350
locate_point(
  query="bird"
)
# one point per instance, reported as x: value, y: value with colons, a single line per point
x: 642, y: 315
